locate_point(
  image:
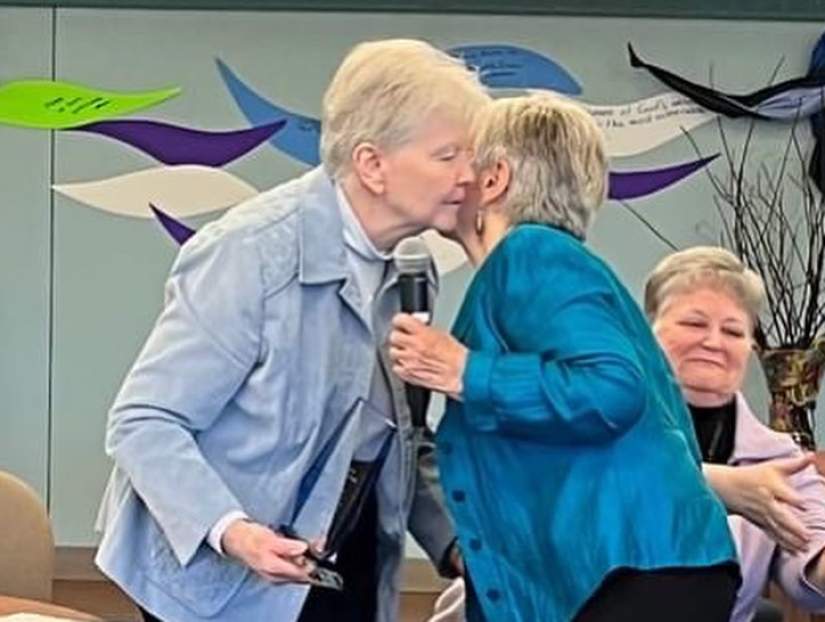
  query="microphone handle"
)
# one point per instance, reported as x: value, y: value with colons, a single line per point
x: 415, y: 300
x: 415, y: 295
x: 419, y: 400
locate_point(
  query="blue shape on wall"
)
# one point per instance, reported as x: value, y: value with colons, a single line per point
x: 301, y: 135
x: 510, y: 66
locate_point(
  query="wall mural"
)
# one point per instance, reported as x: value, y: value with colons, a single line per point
x: 191, y: 181
x: 53, y: 105
x: 773, y: 218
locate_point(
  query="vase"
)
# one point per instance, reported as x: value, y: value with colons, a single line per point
x: 794, y: 378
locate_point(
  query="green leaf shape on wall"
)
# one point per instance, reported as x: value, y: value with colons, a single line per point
x: 55, y: 105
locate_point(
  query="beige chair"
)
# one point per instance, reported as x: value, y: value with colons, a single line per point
x: 26, y: 542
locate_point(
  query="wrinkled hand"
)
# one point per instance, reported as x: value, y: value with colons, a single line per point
x: 270, y: 555
x: 762, y: 494
x: 426, y: 356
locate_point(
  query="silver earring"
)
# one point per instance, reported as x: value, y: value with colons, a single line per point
x: 479, y: 222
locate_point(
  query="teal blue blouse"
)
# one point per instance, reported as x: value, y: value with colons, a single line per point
x: 572, y: 453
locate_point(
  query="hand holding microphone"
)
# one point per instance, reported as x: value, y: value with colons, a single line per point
x: 422, y: 356
x: 412, y: 259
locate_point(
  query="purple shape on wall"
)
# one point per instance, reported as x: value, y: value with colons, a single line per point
x: 622, y: 186
x: 179, y: 232
x: 172, y: 144
x: 637, y: 184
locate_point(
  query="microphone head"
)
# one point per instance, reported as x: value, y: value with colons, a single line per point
x: 412, y: 256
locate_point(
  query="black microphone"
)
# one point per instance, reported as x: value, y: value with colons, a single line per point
x: 412, y: 259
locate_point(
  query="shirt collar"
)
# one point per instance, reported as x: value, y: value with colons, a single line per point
x: 354, y: 235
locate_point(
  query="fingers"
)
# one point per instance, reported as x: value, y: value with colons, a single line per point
x: 405, y: 335
x: 406, y: 323
x: 285, y: 570
x: 417, y: 376
x: 784, y: 492
x: 410, y: 333
x: 408, y: 351
x: 283, y: 560
x: 780, y: 471
x: 287, y: 547
x: 789, y: 466
x: 787, y: 529
x: 399, y: 355
x: 401, y: 340
x: 318, y: 545
x: 268, y: 553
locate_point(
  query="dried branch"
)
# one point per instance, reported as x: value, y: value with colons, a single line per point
x: 647, y: 224
x: 773, y: 218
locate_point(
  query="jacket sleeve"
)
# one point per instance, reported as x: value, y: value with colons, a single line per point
x: 569, y: 371
x: 202, y: 347
x: 789, y: 570
x: 429, y: 523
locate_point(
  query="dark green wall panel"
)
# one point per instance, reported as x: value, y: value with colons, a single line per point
x: 713, y: 9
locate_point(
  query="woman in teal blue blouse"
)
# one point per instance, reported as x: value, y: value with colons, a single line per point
x: 566, y: 451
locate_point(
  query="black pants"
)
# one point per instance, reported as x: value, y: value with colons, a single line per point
x: 357, y: 562
x: 672, y: 594
x: 148, y: 617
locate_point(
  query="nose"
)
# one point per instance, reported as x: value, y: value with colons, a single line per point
x: 466, y: 171
x: 713, y: 339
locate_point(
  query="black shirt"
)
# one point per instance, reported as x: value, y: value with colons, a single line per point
x: 715, y: 428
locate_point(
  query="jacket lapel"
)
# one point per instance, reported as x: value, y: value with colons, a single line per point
x: 322, y: 251
x: 755, y: 442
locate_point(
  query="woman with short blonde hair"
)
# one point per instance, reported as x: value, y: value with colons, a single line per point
x: 564, y: 451
x: 557, y: 157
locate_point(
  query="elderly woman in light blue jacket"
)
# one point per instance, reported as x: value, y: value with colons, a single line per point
x: 264, y: 381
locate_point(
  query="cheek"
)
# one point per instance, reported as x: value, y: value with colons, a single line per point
x: 674, y: 346
x: 739, y: 361
x: 439, y: 181
x: 428, y: 181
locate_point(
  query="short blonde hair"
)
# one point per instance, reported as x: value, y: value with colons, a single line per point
x: 699, y: 267
x: 557, y: 157
x: 384, y: 90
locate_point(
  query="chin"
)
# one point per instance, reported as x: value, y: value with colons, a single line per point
x: 445, y: 225
x: 703, y: 382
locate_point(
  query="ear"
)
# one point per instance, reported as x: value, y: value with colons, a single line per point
x: 368, y: 166
x: 494, y: 182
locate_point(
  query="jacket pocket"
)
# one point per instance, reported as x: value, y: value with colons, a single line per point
x: 204, y: 586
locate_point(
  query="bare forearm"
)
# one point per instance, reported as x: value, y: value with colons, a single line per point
x: 716, y: 477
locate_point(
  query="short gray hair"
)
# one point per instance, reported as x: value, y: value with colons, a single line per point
x: 702, y: 266
x: 557, y: 158
x: 384, y: 90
